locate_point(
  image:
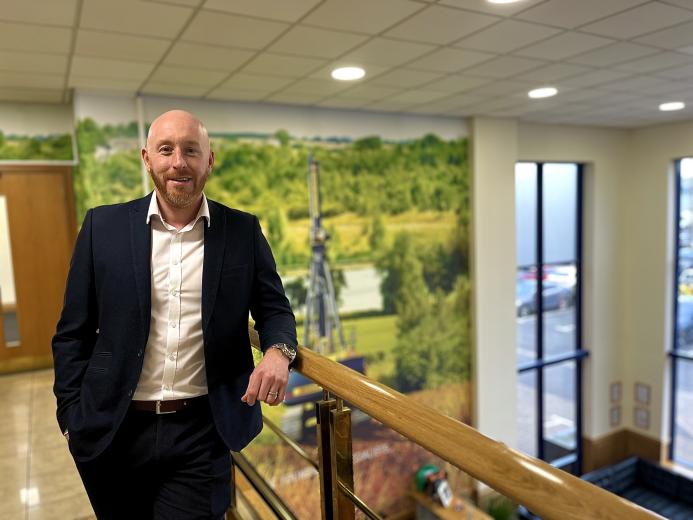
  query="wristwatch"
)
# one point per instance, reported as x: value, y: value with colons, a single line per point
x: 287, y: 350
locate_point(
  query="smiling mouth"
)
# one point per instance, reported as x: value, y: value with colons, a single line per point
x: 181, y: 180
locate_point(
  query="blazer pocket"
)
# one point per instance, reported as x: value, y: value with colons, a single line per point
x: 234, y: 270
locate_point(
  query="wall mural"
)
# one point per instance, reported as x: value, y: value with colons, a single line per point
x: 50, y: 147
x: 395, y: 228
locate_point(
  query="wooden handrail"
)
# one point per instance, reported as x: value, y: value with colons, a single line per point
x: 546, y: 491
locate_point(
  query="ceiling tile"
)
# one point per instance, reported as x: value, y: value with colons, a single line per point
x: 640, y: 20
x: 337, y: 102
x: 388, y: 105
x: 50, y: 12
x: 272, y: 9
x: 504, y: 67
x: 116, y: 69
x: 316, y: 87
x: 417, y: 96
x: 673, y: 38
x: 187, y: 76
x: 554, y: 72
x: 457, y: 83
x: 506, y: 88
x: 120, y: 46
x: 485, y: 7
x: 597, y: 77
x: 642, y: 84
x: 450, y: 60
x: 363, y: 16
x: 688, y: 4
x: 405, y: 78
x: 571, y: 14
x: 680, y: 72
x: 244, y: 81
x: 33, y: 62
x: 104, y: 83
x: 370, y: 92
x: 564, y: 46
x: 294, y: 99
x: 22, y: 37
x: 613, y: 54
x: 658, y: 62
x: 441, y: 25
x: 207, y: 56
x: 321, y: 43
x: 31, y: 80
x: 31, y: 95
x: 177, y: 89
x: 232, y: 30
x: 134, y: 17
x: 491, y: 105
x: 222, y: 94
x: 388, y: 53
x: 507, y: 36
x: 278, y: 65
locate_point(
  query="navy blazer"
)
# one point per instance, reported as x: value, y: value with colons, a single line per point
x: 99, y: 344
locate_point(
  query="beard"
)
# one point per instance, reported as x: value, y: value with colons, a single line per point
x: 178, y: 197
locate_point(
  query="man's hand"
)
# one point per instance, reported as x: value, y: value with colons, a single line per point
x: 268, y: 381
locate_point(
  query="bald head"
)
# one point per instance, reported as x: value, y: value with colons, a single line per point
x: 178, y: 121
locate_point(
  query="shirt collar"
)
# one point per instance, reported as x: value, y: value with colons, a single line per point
x: 203, y: 212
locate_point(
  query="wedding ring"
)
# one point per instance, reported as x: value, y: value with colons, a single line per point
x: 272, y: 394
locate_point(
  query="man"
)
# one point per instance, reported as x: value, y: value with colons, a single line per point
x: 154, y: 374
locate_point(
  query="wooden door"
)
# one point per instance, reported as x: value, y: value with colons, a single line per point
x: 42, y: 231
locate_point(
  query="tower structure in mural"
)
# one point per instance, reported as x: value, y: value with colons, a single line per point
x: 322, y: 317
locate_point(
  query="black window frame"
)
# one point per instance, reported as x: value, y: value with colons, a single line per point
x: 538, y: 365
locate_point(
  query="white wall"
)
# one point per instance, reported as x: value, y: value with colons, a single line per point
x: 493, y: 157
x: 649, y: 260
x: 35, y: 119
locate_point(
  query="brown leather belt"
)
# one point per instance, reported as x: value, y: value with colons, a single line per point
x: 170, y: 406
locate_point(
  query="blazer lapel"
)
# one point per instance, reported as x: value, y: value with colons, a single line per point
x: 141, y: 243
x: 215, y: 244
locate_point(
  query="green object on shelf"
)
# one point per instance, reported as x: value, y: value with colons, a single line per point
x: 422, y: 476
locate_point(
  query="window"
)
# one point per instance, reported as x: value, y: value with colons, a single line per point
x: 681, y: 442
x: 547, y: 299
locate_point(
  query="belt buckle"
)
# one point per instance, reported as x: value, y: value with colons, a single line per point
x: 158, y: 409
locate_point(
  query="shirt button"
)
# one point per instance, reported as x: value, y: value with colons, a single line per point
x: 172, y: 357
x: 173, y: 324
x: 175, y: 261
x: 174, y: 292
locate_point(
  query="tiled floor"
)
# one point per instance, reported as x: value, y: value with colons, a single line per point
x: 38, y: 479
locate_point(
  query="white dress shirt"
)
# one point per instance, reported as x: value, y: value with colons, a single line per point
x: 174, y: 363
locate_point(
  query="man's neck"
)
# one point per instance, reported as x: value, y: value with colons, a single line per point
x: 177, y: 217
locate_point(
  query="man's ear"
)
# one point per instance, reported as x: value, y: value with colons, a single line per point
x: 210, y: 165
x: 145, y: 159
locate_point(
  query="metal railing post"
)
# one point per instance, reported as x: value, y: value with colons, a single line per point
x: 324, y: 438
x: 342, y: 462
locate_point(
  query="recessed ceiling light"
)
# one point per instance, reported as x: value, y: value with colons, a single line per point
x: 502, y: 1
x: 543, y: 92
x: 348, y: 73
x: 673, y: 105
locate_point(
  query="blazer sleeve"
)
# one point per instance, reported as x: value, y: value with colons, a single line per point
x: 269, y: 306
x: 75, y: 334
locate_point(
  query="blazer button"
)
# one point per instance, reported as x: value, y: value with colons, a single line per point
x: 139, y: 353
x: 129, y: 393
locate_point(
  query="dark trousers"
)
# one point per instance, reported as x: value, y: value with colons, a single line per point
x: 173, y: 467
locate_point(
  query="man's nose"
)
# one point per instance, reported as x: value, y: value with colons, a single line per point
x: 178, y: 159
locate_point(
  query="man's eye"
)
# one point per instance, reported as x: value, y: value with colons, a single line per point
x: 165, y: 150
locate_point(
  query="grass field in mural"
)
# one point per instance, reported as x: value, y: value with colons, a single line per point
x: 53, y: 147
x: 397, y: 214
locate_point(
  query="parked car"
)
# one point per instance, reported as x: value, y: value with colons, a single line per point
x: 555, y: 296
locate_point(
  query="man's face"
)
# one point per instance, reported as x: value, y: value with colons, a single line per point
x: 178, y: 157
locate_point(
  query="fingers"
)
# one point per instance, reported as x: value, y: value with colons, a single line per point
x: 251, y: 392
x: 267, y: 383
